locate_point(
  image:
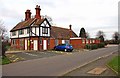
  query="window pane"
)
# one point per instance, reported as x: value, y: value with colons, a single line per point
x: 28, y: 31
x: 45, y: 30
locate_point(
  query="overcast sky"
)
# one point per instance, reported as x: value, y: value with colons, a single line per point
x: 93, y: 15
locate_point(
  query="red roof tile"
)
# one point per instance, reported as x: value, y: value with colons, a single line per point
x: 56, y: 32
x: 27, y: 23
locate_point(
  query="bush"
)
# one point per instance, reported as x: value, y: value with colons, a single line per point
x: 91, y: 46
x: 94, y: 46
x: 5, y: 60
x: 87, y: 46
x: 101, y: 45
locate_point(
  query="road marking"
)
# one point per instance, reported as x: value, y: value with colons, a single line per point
x: 97, y: 70
x: 30, y: 54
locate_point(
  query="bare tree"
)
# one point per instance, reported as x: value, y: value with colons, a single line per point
x: 3, y: 31
x: 87, y: 35
x: 101, y: 35
x: 48, y: 18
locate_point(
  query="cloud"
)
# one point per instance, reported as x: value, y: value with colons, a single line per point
x: 93, y: 15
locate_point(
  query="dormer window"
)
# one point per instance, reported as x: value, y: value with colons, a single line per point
x: 14, y: 33
x: 21, y: 32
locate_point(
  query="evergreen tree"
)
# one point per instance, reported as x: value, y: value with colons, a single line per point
x: 82, y: 33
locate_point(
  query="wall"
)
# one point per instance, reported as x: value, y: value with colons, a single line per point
x: 77, y: 43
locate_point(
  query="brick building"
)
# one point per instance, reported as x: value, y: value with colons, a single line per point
x: 36, y: 33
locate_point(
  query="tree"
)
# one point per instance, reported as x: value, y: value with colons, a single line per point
x: 116, y: 36
x: 82, y: 33
x: 101, y: 35
x: 3, y: 31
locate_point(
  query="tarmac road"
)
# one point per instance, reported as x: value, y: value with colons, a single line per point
x: 56, y: 65
x: 83, y: 71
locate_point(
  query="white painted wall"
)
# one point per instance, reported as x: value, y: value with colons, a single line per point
x: 37, y: 31
x: 40, y: 31
x: 16, y: 36
x: 33, y: 30
x: 63, y: 41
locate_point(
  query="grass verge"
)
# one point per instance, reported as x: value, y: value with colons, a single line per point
x: 114, y: 64
x: 4, y: 60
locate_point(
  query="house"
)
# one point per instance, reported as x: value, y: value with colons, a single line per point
x: 36, y: 33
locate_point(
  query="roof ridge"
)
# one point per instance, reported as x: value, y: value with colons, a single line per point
x: 61, y: 27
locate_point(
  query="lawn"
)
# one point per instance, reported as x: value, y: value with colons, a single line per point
x: 4, y: 60
x: 114, y: 64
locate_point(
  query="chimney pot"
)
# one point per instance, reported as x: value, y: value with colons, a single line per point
x: 27, y: 14
x: 70, y: 26
x: 70, y: 31
x: 37, y: 12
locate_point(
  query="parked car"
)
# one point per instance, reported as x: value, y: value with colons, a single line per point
x: 64, y: 47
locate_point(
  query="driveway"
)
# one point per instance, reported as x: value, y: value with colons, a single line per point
x: 55, y: 66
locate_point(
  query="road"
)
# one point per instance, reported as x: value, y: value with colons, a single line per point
x: 102, y: 63
x: 56, y: 65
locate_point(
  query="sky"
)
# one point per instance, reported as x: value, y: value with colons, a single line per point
x: 93, y: 15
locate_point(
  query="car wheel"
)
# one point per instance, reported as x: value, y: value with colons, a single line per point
x: 65, y: 50
x: 55, y: 49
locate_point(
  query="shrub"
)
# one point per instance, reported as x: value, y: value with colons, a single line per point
x: 94, y: 46
x: 87, y: 46
x: 5, y: 60
x: 101, y: 45
x: 91, y: 46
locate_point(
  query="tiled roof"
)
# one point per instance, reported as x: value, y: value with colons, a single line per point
x: 27, y: 23
x: 58, y: 32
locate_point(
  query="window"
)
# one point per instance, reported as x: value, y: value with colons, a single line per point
x: 56, y: 42
x: 21, y: 32
x: 28, y: 31
x: 21, y: 42
x: 13, y: 41
x: 14, y: 33
x: 86, y: 41
x: 45, y: 30
x: 67, y: 41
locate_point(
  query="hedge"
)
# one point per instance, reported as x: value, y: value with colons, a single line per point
x: 94, y: 46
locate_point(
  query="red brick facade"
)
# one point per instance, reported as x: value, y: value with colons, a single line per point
x: 37, y: 34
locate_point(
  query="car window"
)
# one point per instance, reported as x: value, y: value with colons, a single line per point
x: 60, y: 44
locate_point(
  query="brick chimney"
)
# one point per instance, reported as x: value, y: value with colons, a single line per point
x: 70, y: 26
x: 70, y: 30
x: 37, y: 12
x: 27, y: 14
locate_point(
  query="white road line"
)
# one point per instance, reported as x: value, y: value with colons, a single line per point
x: 30, y: 54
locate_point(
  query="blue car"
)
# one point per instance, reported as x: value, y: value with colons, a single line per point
x: 64, y: 47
